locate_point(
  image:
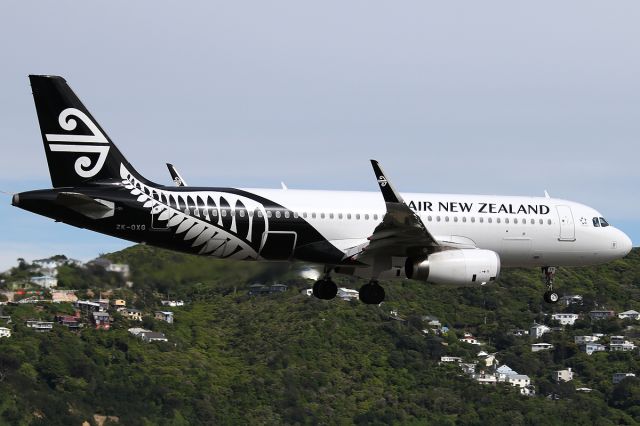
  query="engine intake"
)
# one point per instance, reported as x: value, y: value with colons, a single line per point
x: 457, y: 267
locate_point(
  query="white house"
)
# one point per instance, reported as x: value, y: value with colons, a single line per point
x: 468, y: 338
x: 347, y: 294
x: 45, y: 281
x: 152, y: 336
x: 166, y: 316
x: 485, y: 379
x: 174, y: 303
x: 580, y: 340
x: 537, y: 330
x: 565, y: 319
x: 537, y: 347
x: 120, y: 268
x: 455, y: 359
x: 571, y: 299
x: 519, y: 380
x: 564, y: 375
x: 590, y: 348
x: 618, y: 377
x: 619, y: 344
x: 503, y: 372
x: 634, y: 315
x: 5, y: 332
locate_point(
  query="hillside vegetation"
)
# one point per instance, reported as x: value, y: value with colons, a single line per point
x: 292, y: 359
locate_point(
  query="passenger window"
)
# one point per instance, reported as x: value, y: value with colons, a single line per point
x: 215, y: 213
x: 269, y: 214
x: 541, y: 222
x: 259, y: 213
x: 596, y: 222
x: 455, y: 219
x: 498, y: 220
x: 304, y: 215
x: 446, y: 218
x: 533, y: 221
x: 516, y: 221
x: 241, y: 213
x: 278, y: 214
x: 375, y: 217
x: 358, y: 216
x: 437, y: 218
x: 348, y: 215
x: 224, y: 213
x: 313, y: 215
x: 506, y: 220
x: 429, y: 218
x: 464, y: 219
x: 321, y: 215
x: 481, y: 220
x: 366, y: 217
x: 473, y: 220
x: 330, y: 215
x: 489, y: 220
x: 549, y: 221
x: 295, y: 215
x: 286, y: 214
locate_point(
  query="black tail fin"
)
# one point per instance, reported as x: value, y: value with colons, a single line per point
x: 78, y: 150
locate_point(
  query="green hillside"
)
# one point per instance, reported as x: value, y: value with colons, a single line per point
x: 291, y: 359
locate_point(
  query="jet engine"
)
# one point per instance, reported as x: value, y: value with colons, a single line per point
x: 457, y: 267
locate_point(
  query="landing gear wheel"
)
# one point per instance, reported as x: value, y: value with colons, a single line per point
x: 325, y: 289
x: 551, y: 297
x: 371, y: 293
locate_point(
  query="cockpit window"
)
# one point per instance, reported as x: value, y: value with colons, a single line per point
x: 603, y: 222
x: 596, y: 222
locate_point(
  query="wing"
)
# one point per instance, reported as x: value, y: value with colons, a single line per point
x: 401, y: 232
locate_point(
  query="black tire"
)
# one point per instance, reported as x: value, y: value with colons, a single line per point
x: 371, y: 294
x: 325, y: 289
x: 551, y: 297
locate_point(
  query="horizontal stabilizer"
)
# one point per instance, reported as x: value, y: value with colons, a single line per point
x: 93, y: 208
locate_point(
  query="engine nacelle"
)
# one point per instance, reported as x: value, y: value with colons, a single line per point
x: 457, y: 267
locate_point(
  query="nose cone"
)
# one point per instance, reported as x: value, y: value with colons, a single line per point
x: 624, y: 244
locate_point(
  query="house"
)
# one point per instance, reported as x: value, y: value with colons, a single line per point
x: 563, y: 375
x: 586, y: 390
x: 537, y: 330
x: 468, y: 368
x: 487, y: 359
x: 347, y: 294
x: 63, y: 296
x: 485, y: 379
x: 601, y: 314
x: 5, y: 332
x: 101, y: 320
x: 104, y: 304
x: 468, y: 338
x: 72, y: 322
x: 136, y: 331
x: 118, y: 304
x: 44, y: 281
x: 87, y: 306
x: 174, y: 303
x: 132, y: 314
x: 152, y: 336
x: 618, y: 377
x: 571, y: 299
x: 590, y: 348
x: 565, y: 319
x: 119, y: 268
x: 619, y: 344
x: 40, y: 326
x: 634, y: 315
x: 537, y: 347
x: 580, y: 340
x: 519, y: 380
x: 503, y: 372
x: 165, y: 316
x: 455, y: 359
x: 5, y: 318
x: 46, y: 263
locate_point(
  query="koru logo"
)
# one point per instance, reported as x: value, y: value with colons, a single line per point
x: 382, y: 181
x: 95, y: 143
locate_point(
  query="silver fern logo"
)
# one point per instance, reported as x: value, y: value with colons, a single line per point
x: 96, y: 143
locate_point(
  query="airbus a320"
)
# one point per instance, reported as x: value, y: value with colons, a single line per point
x: 438, y: 238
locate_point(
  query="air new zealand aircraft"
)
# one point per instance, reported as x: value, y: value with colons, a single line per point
x: 439, y: 238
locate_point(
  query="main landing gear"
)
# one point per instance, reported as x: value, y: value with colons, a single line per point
x: 372, y: 293
x: 324, y: 288
x: 548, y: 274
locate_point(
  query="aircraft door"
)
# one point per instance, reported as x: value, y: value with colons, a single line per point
x: 567, y: 226
x: 278, y: 245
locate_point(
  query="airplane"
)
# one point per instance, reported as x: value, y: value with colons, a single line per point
x: 438, y: 238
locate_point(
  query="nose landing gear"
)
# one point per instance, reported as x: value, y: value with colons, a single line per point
x: 548, y: 274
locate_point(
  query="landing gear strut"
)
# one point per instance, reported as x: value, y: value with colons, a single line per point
x: 549, y: 273
x: 324, y: 288
x: 372, y: 293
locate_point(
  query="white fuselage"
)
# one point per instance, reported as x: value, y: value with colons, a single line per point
x: 524, y: 231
